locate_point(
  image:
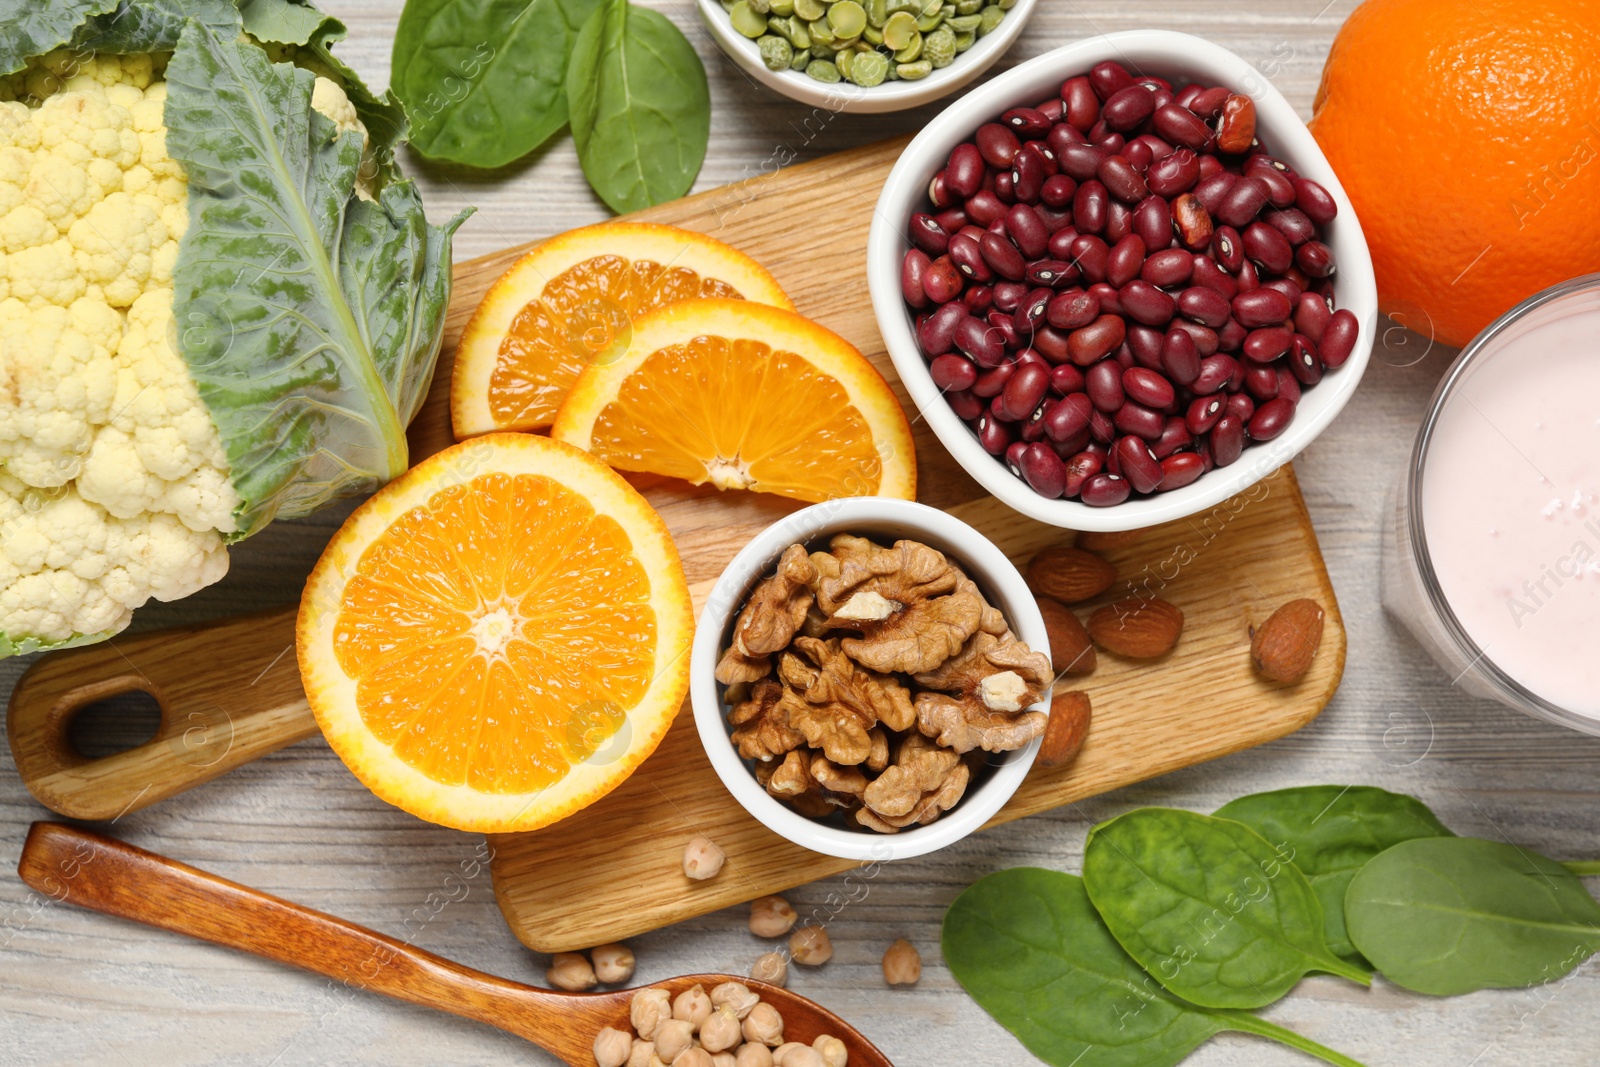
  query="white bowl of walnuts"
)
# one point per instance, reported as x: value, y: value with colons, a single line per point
x: 871, y: 678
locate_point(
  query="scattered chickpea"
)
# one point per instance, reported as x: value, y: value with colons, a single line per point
x: 810, y: 946
x: 832, y: 1051
x: 612, y: 963
x: 771, y: 916
x: 771, y: 968
x: 702, y: 858
x: 570, y: 971
x: 673, y: 1038
x: 643, y: 1052
x: 902, y: 963
x: 649, y: 1009
x: 764, y: 1026
x: 694, y: 1057
x: 721, y: 1031
x: 612, y: 1047
x: 735, y: 996
x: 753, y: 1055
x: 692, y: 1006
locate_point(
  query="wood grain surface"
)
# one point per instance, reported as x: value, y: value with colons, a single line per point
x: 79, y: 988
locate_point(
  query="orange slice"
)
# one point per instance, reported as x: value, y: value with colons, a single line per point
x: 498, y: 637
x: 569, y: 303
x: 745, y: 397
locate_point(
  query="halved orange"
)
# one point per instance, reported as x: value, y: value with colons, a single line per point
x: 745, y: 397
x: 499, y: 636
x: 569, y: 303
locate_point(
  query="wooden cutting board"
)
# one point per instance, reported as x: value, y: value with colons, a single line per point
x: 230, y: 691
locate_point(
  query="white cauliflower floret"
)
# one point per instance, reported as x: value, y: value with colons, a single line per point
x: 330, y: 100
x: 114, y: 485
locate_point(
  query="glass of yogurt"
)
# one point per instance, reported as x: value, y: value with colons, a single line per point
x: 1492, y: 559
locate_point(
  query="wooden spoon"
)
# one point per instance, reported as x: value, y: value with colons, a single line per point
x: 111, y: 876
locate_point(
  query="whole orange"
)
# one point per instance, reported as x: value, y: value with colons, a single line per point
x: 1468, y: 138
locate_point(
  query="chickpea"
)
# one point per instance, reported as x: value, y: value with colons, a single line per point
x: 612, y: 1047
x: 721, y: 1031
x: 753, y: 1055
x: 810, y: 946
x: 702, y: 858
x: 723, y: 1059
x: 832, y: 1051
x: 800, y: 1056
x: 694, y: 1057
x: 735, y: 996
x: 613, y: 963
x: 764, y: 1026
x: 692, y: 1006
x: 771, y: 968
x: 771, y: 916
x: 780, y: 1055
x: 902, y: 964
x: 643, y: 1052
x: 570, y: 971
x: 648, y: 1010
x: 673, y: 1039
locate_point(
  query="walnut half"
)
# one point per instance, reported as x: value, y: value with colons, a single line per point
x: 978, y: 696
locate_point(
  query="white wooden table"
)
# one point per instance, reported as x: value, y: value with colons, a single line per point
x: 78, y: 988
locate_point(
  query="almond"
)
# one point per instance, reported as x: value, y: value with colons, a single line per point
x: 1064, y: 733
x: 1139, y: 628
x: 1069, y: 575
x: 1071, y: 651
x: 1285, y: 645
x: 1107, y: 542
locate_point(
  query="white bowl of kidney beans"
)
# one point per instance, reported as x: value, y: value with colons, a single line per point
x: 1121, y: 282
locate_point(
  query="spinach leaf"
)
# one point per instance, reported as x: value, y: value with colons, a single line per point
x: 641, y: 111
x: 32, y: 29
x: 1330, y: 832
x: 1208, y: 907
x: 484, y: 81
x: 309, y: 318
x: 1029, y: 948
x: 1450, y: 915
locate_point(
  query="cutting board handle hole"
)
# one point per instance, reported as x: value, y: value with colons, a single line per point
x: 114, y: 724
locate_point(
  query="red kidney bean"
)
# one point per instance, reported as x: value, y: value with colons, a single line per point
x: 1268, y: 343
x: 1175, y: 174
x: 1259, y: 160
x: 1187, y: 94
x: 1008, y: 296
x: 1288, y: 385
x: 1133, y: 417
x: 1033, y: 425
x: 936, y: 333
x: 1089, y: 254
x: 941, y: 281
x: 1216, y: 373
x: 1123, y: 356
x: 1072, y: 309
x: 1261, y: 307
x: 978, y: 298
x: 928, y: 235
x: 1152, y: 221
x: 1107, y: 77
x: 1280, y: 190
x: 1311, y: 314
x: 1175, y: 437
x: 967, y: 255
x: 1027, y: 230
x: 1167, y: 268
x: 1203, y: 413
x: 1101, y: 428
x: 1228, y: 249
x: 1315, y: 201
x: 939, y: 194
x: 1180, y: 470
x: 1013, y: 457
x: 1148, y: 388
x: 1002, y: 256
x: 1127, y: 107
x: 1144, y: 302
x: 1247, y: 277
x: 1284, y: 285
x: 994, y: 435
x: 1089, y: 343
x: 1057, y: 190
x: 966, y: 406
x: 1066, y: 378
x: 1203, y: 305
x: 1204, y: 337
x: 1179, y: 357
x: 951, y: 372
x: 1144, y: 345
x: 977, y: 339
x: 1182, y: 127
x: 1110, y: 298
x: 1050, y: 273
x: 1053, y: 109
x: 1051, y: 344
x: 1028, y: 174
x: 913, y: 272
x: 1103, y: 383
x: 1208, y: 102
x: 1083, y: 105
x: 1192, y: 222
x: 1304, y: 362
x: 1032, y: 356
x: 1122, y: 179
x: 1125, y: 261
x: 1081, y: 466
x: 1080, y: 162
x: 992, y: 382
x: 1294, y: 224
x: 963, y: 175
x: 983, y: 207
x: 1338, y: 339
x: 1227, y: 440
x: 951, y: 219
x: 1056, y: 219
x: 1001, y: 322
x: 1240, y: 406
x: 1159, y: 149
x: 1030, y: 313
x: 1135, y: 462
x: 1212, y: 189
x: 1261, y: 382
x: 1236, y: 127
x: 1230, y: 338
x: 1242, y: 202
x: 1026, y: 122
x: 1061, y: 242
x: 998, y: 145
x: 1271, y: 419
x: 1119, y: 221
x: 1068, y: 417
x: 1302, y: 281
x: 1212, y: 276
x: 1315, y: 258
x: 1089, y: 206
x: 1268, y: 248
x: 1104, y: 490
x: 1043, y: 470
x: 1024, y: 391
x: 1004, y: 186
x: 1139, y: 154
